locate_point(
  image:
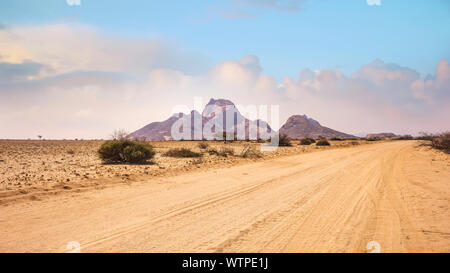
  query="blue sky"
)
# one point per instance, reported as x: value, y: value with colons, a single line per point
x: 315, y: 34
x: 81, y: 71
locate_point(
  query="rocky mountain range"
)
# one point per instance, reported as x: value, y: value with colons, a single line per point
x: 218, y: 116
x: 222, y: 115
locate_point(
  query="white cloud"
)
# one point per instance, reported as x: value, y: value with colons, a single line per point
x: 373, y: 2
x: 68, y: 48
x: 48, y: 89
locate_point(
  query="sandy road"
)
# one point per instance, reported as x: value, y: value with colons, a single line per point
x: 394, y: 193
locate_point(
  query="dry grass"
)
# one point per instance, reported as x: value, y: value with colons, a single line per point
x: 251, y: 152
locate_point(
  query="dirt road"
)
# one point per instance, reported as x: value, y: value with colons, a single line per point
x: 394, y: 193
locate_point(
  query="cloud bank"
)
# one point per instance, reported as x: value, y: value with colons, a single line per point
x: 73, y: 82
x: 373, y: 2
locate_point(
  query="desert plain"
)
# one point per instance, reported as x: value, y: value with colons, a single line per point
x: 347, y: 197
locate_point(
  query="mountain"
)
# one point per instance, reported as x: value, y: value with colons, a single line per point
x: 157, y: 130
x: 300, y: 126
x: 217, y: 112
x: 222, y: 115
x: 381, y: 135
x: 215, y: 117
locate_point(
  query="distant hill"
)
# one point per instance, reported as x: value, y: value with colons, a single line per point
x: 381, y: 135
x: 300, y: 126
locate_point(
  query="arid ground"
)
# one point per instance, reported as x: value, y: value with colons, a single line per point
x: 298, y: 199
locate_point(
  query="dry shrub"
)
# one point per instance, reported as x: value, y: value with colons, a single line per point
x: 203, y: 145
x: 284, y: 140
x: 442, y: 142
x: 197, y: 161
x: 307, y: 141
x: 119, y: 135
x: 323, y: 142
x: 250, y: 152
x: 223, y: 151
x: 181, y: 152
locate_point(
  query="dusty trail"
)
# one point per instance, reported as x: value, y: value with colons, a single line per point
x: 395, y: 193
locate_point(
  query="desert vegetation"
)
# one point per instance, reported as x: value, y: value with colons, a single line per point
x: 323, y: 142
x: 441, y: 142
x: 250, y: 152
x: 284, y: 141
x: 125, y: 151
x: 307, y: 141
x: 222, y: 151
x: 203, y: 145
x: 182, y: 152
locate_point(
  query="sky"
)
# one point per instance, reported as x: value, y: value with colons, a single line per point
x: 82, y: 68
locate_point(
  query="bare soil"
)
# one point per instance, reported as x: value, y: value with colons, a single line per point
x: 331, y: 200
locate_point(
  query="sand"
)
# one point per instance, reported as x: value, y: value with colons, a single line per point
x: 331, y: 200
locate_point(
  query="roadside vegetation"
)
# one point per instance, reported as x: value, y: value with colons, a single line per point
x: 181, y: 152
x: 250, y: 152
x: 222, y: 151
x: 307, y: 141
x: 323, y: 142
x: 125, y: 151
x: 284, y: 141
x: 441, y: 142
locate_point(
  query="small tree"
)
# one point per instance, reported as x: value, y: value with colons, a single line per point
x: 120, y: 134
x: 40, y: 137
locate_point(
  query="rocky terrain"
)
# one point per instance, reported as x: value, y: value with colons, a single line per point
x: 46, y: 165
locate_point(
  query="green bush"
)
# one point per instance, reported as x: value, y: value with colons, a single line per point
x: 284, y: 140
x: 306, y: 141
x: 323, y: 142
x: 181, y: 152
x: 125, y: 151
